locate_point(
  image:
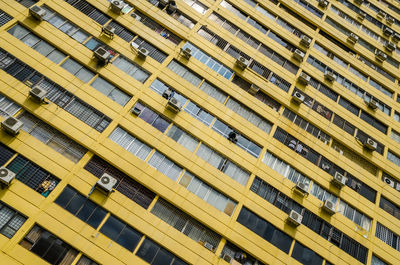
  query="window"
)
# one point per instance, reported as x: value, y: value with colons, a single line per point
x: 234, y: 253
x: 393, y: 134
x: 377, y: 261
x: 305, y: 255
x: 165, y: 165
x: 121, y: 233
x: 48, y: 247
x: 265, y: 230
x: 185, y: 224
x: 8, y: 107
x: 182, y: 138
x: 52, y: 137
x: 185, y: 73
x: 78, y: 70
x: 154, y: 52
x: 81, y: 207
x: 199, y: 113
x: 4, y: 17
x: 110, y: 91
x: 155, y: 26
x: 207, y: 193
x: 56, y: 93
x: 154, y: 254
x: 121, y: 31
x: 33, y: 176
x: 125, y: 183
x: 64, y: 25
x: 10, y: 220
x: 131, y: 69
x: 223, y: 164
x: 354, y: 215
x: 152, y: 118
x: 5, y: 154
x: 27, y: 3
x: 392, y: 157
x: 389, y: 207
x: 89, y: 10
x: 130, y: 143
x: 249, y: 115
x: 244, y: 143
x: 36, y: 43
x: 387, y: 236
x: 197, y: 5
x: 209, y: 61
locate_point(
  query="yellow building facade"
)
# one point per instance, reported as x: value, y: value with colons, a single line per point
x: 199, y: 132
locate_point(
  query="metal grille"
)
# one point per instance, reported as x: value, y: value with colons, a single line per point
x: 121, y: 31
x: 126, y: 185
x: 5, y: 154
x: 33, y: 176
x: 10, y: 220
x: 4, y: 17
x: 89, y: 10
x: 154, y: 52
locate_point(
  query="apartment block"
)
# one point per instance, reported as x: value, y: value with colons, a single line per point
x: 201, y: 132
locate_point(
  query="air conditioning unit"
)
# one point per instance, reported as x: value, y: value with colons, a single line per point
x: 330, y: 76
x: 162, y: 3
x: 117, y: 6
x: 242, y: 62
x: 388, y: 181
x: 109, y: 31
x: 102, y: 55
x: 297, y: 97
x: 305, y: 41
x: 143, y: 53
x: 233, y: 137
x: 6, y: 176
x: 167, y: 93
x: 208, y: 246
x: 106, y: 183
x: 370, y: 144
x: 389, y: 20
x: 339, y: 180
x: 323, y: 3
x: 388, y: 32
x: 38, y: 94
x: 380, y: 56
x: 353, y: 38
x: 37, y: 12
x: 396, y: 37
x: 373, y: 104
x: 174, y: 104
x: 136, y: 111
x: 172, y: 7
x: 253, y: 89
x: 329, y: 207
x: 301, y: 188
x: 361, y: 15
x: 298, y: 55
x: 136, y: 16
x: 11, y: 125
x: 358, y: 2
x: 304, y: 78
x: 381, y: 14
x: 294, y: 218
x: 390, y: 46
x: 397, y: 186
x: 186, y: 53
